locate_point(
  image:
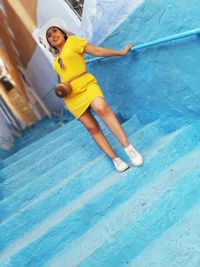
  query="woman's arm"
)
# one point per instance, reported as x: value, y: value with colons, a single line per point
x: 103, y: 52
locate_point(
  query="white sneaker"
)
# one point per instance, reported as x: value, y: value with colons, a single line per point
x: 120, y: 165
x: 135, y: 157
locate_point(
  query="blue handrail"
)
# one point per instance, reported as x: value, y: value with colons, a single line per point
x: 156, y: 42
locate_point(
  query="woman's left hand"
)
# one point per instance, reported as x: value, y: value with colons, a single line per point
x: 127, y: 48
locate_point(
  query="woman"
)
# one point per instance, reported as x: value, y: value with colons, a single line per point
x: 86, y: 94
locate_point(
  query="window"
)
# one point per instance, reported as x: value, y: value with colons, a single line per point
x: 76, y: 6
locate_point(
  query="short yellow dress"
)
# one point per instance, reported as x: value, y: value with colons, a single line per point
x: 84, y: 88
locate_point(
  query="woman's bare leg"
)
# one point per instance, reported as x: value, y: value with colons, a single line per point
x: 102, y: 109
x: 94, y: 129
x: 100, y: 106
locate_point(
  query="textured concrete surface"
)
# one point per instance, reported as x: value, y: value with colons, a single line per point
x: 158, y: 81
x: 71, y: 214
x: 29, y: 135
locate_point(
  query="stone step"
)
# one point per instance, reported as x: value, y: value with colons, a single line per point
x: 61, y: 139
x: 153, y: 214
x: 172, y: 245
x: 38, y: 144
x: 63, y: 193
x: 55, y: 169
x: 165, y: 149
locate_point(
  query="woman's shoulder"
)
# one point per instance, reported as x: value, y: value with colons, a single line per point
x: 76, y: 38
x: 77, y: 43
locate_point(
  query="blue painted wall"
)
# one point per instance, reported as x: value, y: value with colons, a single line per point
x: 160, y: 80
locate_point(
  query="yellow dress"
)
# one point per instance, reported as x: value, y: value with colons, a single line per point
x: 84, y: 88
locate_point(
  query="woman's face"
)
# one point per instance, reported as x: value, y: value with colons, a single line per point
x: 55, y: 37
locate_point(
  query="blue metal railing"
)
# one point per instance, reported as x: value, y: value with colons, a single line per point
x: 156, y: 42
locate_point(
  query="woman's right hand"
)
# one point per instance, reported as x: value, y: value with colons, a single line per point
x: 127, y: 48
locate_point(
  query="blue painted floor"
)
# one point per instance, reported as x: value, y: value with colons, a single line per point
x: 63, y: 204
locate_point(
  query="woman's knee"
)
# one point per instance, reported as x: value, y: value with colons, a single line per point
x: 102, y: 110
x: 93, y: 128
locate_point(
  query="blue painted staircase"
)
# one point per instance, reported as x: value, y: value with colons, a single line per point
x: 63, y: 204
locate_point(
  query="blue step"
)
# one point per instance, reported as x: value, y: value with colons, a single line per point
x: 24, y: 165
x: 154, y: 220
x: 44, y: 146
x: 46, y: 164
x: 4, y: 154
x: 173, y: 244
x: 31, y: 134
x: 38, y: 144
x: 30, y: 190
x: 35, y: 132
x: 69, y: 185
x: 40, y: 152
x: 167, y: 150
x: 41, y: 128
